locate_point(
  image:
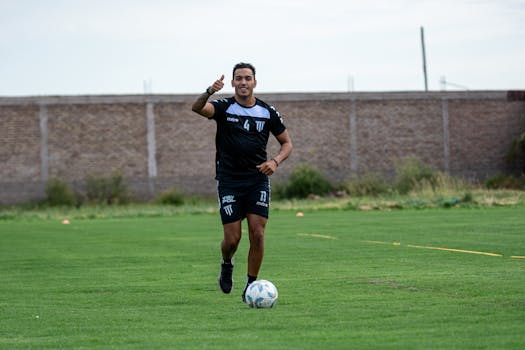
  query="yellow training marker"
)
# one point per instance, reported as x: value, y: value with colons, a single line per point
x: 377, y: 242
x: 316, y: 235
x: 443, y: 249
x: 454, y: 250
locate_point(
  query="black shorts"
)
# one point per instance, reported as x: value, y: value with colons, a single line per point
x: 240, y: 199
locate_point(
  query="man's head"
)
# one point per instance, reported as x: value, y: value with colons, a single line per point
x: 243, y: 80
x: 243, y: 65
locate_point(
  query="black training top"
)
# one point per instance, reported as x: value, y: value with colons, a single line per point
x: 242, y: 136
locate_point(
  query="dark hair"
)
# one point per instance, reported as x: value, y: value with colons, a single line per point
x: 243, y: 65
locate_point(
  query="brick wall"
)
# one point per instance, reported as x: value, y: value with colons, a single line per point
x: 156, y: 142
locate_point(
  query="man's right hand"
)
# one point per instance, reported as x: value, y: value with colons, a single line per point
x: 201, y: 105
x: 217, y: 85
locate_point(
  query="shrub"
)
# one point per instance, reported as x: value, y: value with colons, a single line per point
x: 278, y: 190
x: 516, y: 154
x: 171, y: 197
x: 366, y: 185
x: 95, y: 189
x: 410, y: 172
x: 467, y: 198
x: 59, y: 193
x: 502, y: 181
x: 305, y: 181
x: 440, y: 184
x: 118, y: 190
x: 111, y: 190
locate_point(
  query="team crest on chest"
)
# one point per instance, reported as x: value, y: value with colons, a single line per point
x: 259, y: 124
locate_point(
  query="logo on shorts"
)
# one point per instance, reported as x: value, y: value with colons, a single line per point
x: 228, y: 199
x: 228, y: 210
x: 262, y: 199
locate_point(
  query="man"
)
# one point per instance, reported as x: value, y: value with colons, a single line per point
x: 244, y: 124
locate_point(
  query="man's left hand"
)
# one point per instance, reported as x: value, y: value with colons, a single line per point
x: 267, y: 168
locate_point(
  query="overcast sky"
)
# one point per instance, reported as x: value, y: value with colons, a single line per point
x: 70, y: 47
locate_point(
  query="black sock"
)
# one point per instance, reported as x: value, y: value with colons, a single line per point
x: 251, y: 279
x: 227, y: 261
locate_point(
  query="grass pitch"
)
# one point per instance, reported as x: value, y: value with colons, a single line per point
x: 346, y: 279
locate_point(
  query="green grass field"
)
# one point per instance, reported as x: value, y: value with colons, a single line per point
x: 150, y: 283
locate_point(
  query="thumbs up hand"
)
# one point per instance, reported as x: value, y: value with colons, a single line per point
x: 216, y: 86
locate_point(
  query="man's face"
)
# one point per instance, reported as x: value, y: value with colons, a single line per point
x: 243, y: 82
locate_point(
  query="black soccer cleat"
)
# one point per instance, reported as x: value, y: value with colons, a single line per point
x: 244, y: 292
x: 225, y: 277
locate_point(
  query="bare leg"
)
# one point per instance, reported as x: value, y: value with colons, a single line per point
x: 256, y: 226
x: 232, y: 237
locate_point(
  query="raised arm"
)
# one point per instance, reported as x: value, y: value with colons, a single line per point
x: 201, y: 105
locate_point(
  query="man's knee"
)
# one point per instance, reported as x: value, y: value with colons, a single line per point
x: 232, y: 234
x: 256, y: 227
x: 257, y: 239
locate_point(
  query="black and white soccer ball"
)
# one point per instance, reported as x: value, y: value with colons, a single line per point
x: 261, y: 294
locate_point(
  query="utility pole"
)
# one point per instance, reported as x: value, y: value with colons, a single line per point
x: 350, y: 84
x: 444, y: 83
x: 424, y: 58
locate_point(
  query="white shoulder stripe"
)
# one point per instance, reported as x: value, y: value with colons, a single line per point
x: 255, y: 111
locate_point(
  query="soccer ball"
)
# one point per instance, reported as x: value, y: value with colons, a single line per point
x: 261, y: 294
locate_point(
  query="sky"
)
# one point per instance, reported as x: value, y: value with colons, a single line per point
x: 99, y: 47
